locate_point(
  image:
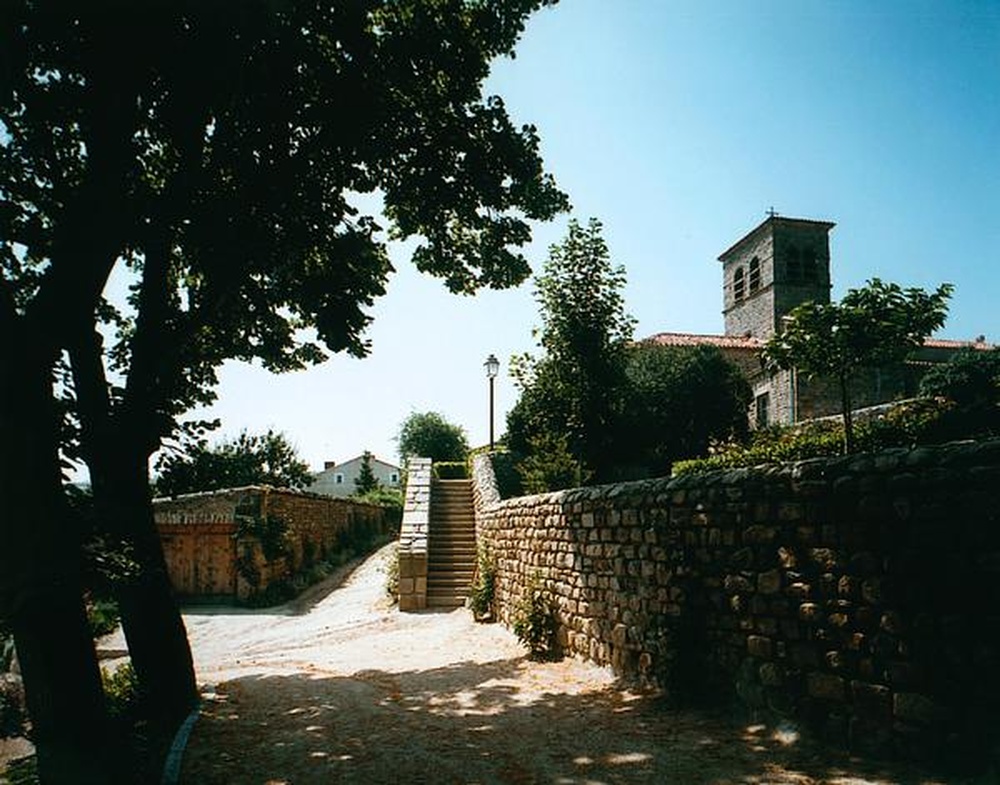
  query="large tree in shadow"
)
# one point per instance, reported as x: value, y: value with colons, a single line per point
x: 217, y: 153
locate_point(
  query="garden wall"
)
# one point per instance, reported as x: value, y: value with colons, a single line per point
x: 237, y: 542
x: 856, y: 596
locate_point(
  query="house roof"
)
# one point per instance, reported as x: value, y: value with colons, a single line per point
x: 773, y: 220
x: 358, y: 459
x: 944, y: 343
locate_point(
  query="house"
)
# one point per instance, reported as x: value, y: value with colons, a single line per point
x: 337, y: 479
x: 773, y: 268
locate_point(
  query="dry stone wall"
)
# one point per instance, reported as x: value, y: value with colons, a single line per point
x: 856, y: 596
x: 211, y: 550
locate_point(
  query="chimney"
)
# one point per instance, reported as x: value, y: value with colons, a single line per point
x: 328, y: 465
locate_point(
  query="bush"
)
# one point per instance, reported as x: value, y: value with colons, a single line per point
x: 450, y: 470
x: 389, y: 498
x: 550, y: 466
x: 102, y: 616
x: 121, y: 690
x: 534, y: 621
x: 483, y: 591
x: 906, y: 424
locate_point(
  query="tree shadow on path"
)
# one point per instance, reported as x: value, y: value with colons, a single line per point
x: 505, y: 721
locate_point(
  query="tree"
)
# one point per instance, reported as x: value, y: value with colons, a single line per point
x: 877, y: 325
x: 225, y: 180
x: 249, y: 459
x: 678, y: 400
x: 429, y: 435
x: 574, y: 388
x: 366, y: 481
x: 970, y: 379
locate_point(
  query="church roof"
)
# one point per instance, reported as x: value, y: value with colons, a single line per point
x: 750, y: 343
x: 773, y: 220
x: 692, y: 339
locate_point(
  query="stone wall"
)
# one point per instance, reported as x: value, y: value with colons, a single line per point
x: 413, y: 536
x: 211, y: 551
x: 856, y: 596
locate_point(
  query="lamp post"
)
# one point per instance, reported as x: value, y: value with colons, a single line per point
x: 492, y: 365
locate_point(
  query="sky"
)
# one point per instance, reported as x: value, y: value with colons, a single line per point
x: 677, y: 125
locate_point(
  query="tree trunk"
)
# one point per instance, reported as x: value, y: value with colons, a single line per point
x: 40, y: 584
x: 62, y: 687
x: 151, y: 620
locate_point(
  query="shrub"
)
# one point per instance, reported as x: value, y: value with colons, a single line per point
x: 550, y: 466
x: 121, y: 690
x: 450, y: 470
x: 906, y: 424
x: 483, y: 591
x: 102, y: 616
x: 534, y: 621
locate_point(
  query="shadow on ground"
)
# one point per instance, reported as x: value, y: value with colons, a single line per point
x: 490, y: 723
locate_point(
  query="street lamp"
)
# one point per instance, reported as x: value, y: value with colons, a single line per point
x: 492, y: 365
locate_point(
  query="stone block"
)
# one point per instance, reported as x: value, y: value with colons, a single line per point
x: 916, y: 708
x: 769, y: 582
x: 760, y: 647
x: 871, y: 701
x: 826, y: 686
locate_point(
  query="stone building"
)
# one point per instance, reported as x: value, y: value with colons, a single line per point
x: 773, y: 268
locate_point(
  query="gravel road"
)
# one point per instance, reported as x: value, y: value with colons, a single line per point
x: 340, y: 687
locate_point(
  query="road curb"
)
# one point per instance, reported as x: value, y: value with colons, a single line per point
x: 172, y: 765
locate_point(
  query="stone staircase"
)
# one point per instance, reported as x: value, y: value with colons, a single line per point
x: 451, y: 547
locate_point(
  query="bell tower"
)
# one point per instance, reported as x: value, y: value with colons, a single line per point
x: 777, y: 265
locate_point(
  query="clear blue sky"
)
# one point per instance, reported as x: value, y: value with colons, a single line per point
x: 678, y: 124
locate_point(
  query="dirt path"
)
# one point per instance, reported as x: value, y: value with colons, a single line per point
x: 341, y: 688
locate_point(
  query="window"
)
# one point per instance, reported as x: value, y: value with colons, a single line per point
x: 739, y: 285
x: 338, y: 479
x: 793, y: 265
x: 393, y: 477
x: 754, y: 275
x: 763, y: 406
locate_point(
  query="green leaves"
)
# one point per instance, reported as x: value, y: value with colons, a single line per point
x: 249, y: 459
x: 569, y: 396
x: 429, y: 435
x: 874, y: 326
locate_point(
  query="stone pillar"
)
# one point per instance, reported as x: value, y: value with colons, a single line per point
x: 413, y: 536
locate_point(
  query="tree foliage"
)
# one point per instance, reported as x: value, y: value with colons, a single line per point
x: 570, y: 394
x: 226, y: 180
x: 366, y: 481
x: 678, y: 401
x: 249, y: 459
x: 971, y: 380
x: 430, y: 435
x: 877, y: 325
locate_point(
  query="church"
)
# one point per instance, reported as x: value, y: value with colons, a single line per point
x: 779, y: 264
